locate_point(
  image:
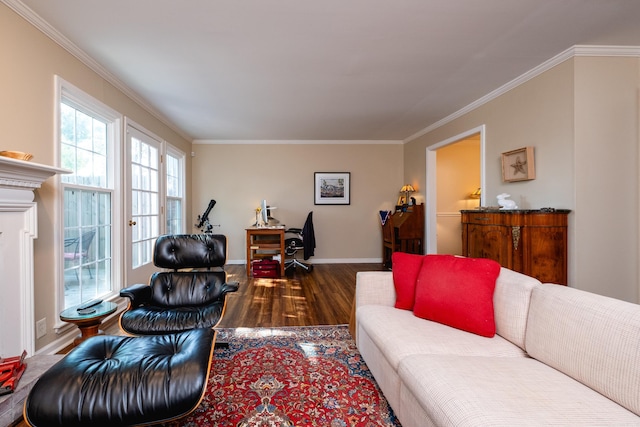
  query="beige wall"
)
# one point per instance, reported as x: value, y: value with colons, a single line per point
x: 238, y: 177
x: 30, y: 60
x: 606, y: 175
x: 582, y: 118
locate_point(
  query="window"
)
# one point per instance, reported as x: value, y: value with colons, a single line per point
x: 116, y: 179
x: 87, y: 138
x: 175, y: 192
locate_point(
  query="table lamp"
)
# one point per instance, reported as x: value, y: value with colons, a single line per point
x: 477, y: 195
x: 407, y: 189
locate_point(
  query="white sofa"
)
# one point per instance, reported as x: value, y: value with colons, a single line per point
x: 560, y: 357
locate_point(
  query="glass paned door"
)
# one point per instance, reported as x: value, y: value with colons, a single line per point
x: 144, y: 216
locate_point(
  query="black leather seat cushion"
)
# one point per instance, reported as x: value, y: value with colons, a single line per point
x: 158, y: 320
x: 178, y: 289
x: 117, y: 380
x: 176, y: 301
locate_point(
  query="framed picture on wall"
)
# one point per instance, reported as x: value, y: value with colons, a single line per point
x: 518, y: 165
x: 332, y: 188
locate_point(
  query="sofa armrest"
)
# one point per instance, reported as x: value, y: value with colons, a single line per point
x: 375, y: 288
x: 138, y: 294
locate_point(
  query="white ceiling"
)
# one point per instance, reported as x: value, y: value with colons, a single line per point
x: 326, y: 69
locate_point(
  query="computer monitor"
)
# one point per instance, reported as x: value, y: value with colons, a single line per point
x: 264, y: 212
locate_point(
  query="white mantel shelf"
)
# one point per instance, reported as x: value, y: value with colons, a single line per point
x: 22, y: 175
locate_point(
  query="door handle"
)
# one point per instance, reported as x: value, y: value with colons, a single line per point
x: 132, y: 223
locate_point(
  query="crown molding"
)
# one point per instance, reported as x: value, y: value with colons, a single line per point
x: 574, y: 51
x: 584, y: 50
x: 294, y: 142
x: 34, y: 19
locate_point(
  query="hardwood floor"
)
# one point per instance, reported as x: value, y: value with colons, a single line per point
x: 321, y: 297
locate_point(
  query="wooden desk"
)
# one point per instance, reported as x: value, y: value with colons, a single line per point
x: 263, y: 242
x: 404, y: 232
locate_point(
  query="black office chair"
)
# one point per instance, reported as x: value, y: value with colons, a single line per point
x: 300, y: 239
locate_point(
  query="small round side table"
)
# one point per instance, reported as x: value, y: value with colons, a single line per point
x: 89, y: 324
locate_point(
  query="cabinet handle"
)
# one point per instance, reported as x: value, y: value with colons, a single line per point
x: 515, y: 235
x: 481, y: 218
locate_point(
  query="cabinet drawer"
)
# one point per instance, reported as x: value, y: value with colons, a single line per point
x: 486, y: 218
x: 546, y: 220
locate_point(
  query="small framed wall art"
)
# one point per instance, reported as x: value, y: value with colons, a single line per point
x: 332, y: 188
x: 518, y: 165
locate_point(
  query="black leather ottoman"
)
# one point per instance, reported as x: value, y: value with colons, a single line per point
x: 117, y: 380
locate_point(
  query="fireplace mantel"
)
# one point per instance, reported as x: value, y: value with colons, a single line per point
x: 18, y: 229
x: 21, y: 177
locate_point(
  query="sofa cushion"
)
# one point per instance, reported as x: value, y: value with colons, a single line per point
x: 511, y: 304
x: 592, y: 338
x: 406, y: 268
x: 458, y: 292
x: 398, y: 334
x: 499, y: 391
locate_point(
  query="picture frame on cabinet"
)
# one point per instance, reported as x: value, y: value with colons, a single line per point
x: 518, y: 165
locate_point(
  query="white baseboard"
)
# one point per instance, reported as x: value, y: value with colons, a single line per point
x: 325, y: 261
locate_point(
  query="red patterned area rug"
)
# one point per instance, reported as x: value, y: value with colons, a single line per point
x: 285, y: 377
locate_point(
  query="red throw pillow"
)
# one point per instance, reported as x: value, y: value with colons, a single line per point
x: 457, y: 292
x: 405, y: 269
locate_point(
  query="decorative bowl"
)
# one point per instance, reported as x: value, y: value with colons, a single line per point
x: 16, y: 155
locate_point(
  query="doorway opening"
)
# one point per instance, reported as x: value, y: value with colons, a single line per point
x: 455, y: 181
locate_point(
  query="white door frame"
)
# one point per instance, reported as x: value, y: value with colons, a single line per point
x: 431, y: 184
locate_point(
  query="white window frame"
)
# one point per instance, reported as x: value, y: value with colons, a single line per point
x: 67, y: 91
x: 116, y: 130
x: 181, y: 156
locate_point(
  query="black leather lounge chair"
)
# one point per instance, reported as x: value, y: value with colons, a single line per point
x: 175, y: 300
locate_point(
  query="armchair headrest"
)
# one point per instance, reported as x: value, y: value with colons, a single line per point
x: 177, y: 251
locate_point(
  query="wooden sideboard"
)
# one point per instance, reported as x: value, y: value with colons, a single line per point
x: 532, y: 242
